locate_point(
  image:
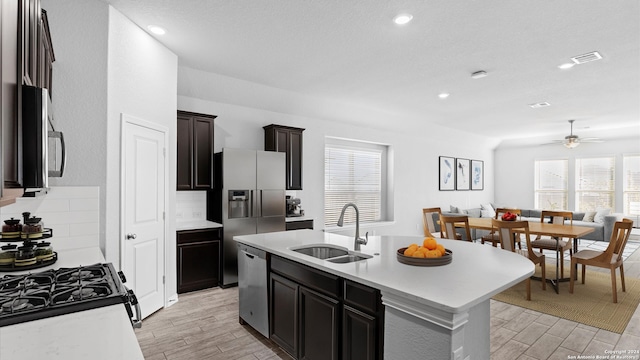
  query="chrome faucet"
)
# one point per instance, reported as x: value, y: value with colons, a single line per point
x: 358, y: 240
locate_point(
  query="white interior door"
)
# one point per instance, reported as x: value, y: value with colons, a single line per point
x: 143, y: 216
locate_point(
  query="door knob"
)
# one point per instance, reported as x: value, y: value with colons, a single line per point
x: 131, y: 236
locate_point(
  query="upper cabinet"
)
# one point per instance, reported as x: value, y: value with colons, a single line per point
x: 288, y: 140
x: 194, y: 151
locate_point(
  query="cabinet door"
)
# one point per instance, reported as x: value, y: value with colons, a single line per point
x: 183, y: 152
x: 294, y: 166
x: 202, y: 153
x: 319, y: 326
x: 198, y: 265
x: 359, y: 332
x: 283, y: 327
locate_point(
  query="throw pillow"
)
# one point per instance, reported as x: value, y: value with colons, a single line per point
x: 487, y: 210
x: 453, y: 209
x: 588, y: 216
x: 600, y: 214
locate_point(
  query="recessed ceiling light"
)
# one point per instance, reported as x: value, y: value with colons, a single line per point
x: 566, y: 66
x: 156, y: 29
x: 402, y: 19
x: 539, y: 105
x: 443, y: 95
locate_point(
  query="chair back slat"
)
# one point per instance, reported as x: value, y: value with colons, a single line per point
x: 449, y: 225
x: 509, y: 230
x: 427, y: 221
x: 619, y: 238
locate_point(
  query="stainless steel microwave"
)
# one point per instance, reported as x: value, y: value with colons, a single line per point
x: 43, y: 148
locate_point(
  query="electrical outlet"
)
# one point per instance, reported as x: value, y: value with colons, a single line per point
x: 179, y: 215
x: 197, y: 214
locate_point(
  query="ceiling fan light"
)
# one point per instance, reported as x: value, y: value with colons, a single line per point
x: 571, y: 144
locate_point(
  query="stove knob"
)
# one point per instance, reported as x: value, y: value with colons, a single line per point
x: 132, y: 296
x: 122, y: 277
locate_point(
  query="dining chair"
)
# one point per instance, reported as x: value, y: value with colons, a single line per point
x: 428, y: 223
x: 448, y: 224
x: 493, y: 237
x: 611, y: 258
x: 507, y: 230
x: 559, y: 245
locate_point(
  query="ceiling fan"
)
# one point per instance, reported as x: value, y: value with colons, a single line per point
x: 571, y: 141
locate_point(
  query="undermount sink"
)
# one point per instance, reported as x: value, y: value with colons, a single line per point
x: 322, y: 252
x: 332, y: 253
x: 349, y: 258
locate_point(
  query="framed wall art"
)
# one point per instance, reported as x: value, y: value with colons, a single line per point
x: 462, y: 174
x: 447, y: 173
x: 477, y: 175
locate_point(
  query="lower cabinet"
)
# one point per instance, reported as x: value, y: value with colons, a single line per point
x: 198, y: 259
x: 316, y: 315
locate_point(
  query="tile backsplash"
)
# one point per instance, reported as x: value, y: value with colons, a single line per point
x: 191, y: 205
x: 72, y: 212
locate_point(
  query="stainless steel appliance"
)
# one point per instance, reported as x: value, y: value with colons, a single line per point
x: 252, y: 288
x: 43, y: 148
x: 66, y: 290
x: 249, y: 199
x: 293, y: 207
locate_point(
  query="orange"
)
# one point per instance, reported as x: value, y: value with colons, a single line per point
x: 414, y: 246
x: 440, y: 248
x: 430, y: 243
x: 433, y: 254
x: 419, y: 254
x: 410, y: 250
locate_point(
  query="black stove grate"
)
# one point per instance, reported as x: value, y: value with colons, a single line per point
x: 58, y: 292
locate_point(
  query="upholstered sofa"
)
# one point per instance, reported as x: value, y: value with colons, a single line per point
x: 602, y: 230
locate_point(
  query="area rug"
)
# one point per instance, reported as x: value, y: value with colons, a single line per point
x: 590, y: 304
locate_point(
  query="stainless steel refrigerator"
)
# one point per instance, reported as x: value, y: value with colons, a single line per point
x: 249, y: 199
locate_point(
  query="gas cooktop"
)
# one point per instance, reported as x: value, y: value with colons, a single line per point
x: 57, y: 292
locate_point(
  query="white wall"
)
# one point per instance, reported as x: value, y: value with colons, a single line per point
x: 514, y: 175
x: 142, y: 82
x: 79, y: 92
x: 415, y: 151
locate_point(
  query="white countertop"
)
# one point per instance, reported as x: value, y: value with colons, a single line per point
x: 103, y: 333
x: 196, y: 225
x: 476, y: 272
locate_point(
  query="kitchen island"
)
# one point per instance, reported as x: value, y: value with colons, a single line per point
x: 439, y: 312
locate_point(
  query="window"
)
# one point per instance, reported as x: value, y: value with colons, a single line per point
x: 631, y: 184
x: 551, y: 184
x: 354, y: 172
x: 595, y: 184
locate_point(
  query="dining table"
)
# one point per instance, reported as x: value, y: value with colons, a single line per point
x: 555, y: 231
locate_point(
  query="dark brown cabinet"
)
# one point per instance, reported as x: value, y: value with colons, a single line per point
x: 283, y: 323
x: 288, y: 140
x: 198, y: 259
x: 299, y: 224
x: 194, y: 151
x: 316, y: 315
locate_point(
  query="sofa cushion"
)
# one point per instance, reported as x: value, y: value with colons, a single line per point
x: 487, y: 210
x: 535, y: 214
x: 578, y: 216
x: 475, y: 212
x: 600, y: 214
x: 589, y: 216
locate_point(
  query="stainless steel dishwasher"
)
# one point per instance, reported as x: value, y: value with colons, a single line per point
x: 252, y: 288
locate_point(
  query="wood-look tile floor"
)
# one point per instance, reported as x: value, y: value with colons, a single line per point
x: 204, y: 325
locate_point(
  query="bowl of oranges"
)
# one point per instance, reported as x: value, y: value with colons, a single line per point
x: 429, y: 253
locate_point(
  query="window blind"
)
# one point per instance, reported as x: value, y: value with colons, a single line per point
x: 631, y: 184
x: 595, y: 183
x: 352, y: 175
x: 551, y: 184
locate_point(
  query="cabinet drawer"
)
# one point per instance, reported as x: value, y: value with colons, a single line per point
x: 361, y: 296
x: 190, y: 236
x: 307, y: 276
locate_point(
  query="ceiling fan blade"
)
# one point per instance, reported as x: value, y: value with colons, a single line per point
x: 591, y: 140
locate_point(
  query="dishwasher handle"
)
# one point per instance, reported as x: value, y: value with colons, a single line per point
x: 250, y: 256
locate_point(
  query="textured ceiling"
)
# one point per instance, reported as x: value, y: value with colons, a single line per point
x: 351, y: 52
